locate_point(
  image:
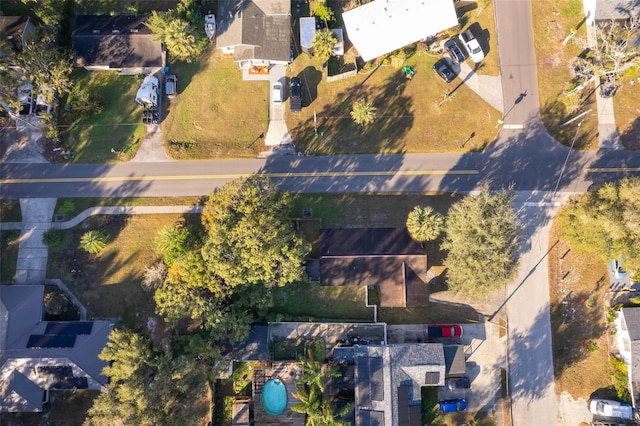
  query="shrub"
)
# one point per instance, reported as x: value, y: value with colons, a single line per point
x: 94, y: 241
x: 154, y: 276
x: 589, y: 303
x: 55, y: 239
x: 620, y: 377
x: 591, y: 346
x: 635, y: 300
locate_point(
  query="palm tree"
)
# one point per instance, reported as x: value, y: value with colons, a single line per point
x: 363, y: 112
x: 94, y: 241
x: 323, y: 44
x: 424, y: 223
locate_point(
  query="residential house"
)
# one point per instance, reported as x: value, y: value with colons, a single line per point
x: 628, y: 336
x: 386, y: 380
x: 382, y: 26
x: 39, y: 356
x: 16, y: 29
x: 116, y: 43
x: 256, y: 32
x: 616, y: 10
x: 384, y: 257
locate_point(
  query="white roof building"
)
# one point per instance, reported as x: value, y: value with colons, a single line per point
x: 383, y: 26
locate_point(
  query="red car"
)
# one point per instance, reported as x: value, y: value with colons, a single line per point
x: 444, y: 330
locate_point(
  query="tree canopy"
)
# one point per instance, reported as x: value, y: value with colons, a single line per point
x: 482, y: 242
x: 363, y: 112
x: 605, y: 222
x: 181, y: 30
x: 145, y: 387
x: 323, y: 44
x: 250, y: 246
x: 424, y: 223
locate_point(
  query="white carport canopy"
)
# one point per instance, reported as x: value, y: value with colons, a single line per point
x: 383, y: 26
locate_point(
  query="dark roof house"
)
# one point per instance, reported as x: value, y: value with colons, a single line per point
x: 16, y: 29
x: 255, y: 32
x: 37, y: 356
x: 387, y: 380
x: 386, y: 257
x: 116, y: 43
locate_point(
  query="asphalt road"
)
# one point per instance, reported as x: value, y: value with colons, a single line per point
x: 528, y: 165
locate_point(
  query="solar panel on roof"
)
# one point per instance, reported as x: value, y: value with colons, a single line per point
x: 51, y: 341
x: 74, y: 327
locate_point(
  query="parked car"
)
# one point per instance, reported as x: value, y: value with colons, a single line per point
x: 454, y: 383
x: 454, y: 51
x: 295, y: 91
x: 609, y: 408
x: 472, y: 46
x: 276, y: 93
x: 444, y: 330
x: 617, y: 269
x: 171, y: 86
x: 452, y: 405
x: 443, y: 69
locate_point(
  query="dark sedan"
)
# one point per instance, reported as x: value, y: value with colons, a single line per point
x: 443, y: 69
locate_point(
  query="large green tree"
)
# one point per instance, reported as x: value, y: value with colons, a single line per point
x: 482, y: 242
x: 145, y: 387
x: 181, y: 30
x: 363, y: 112
x: 250, y: 246
x: 605, y: 222
x: 313, y: 400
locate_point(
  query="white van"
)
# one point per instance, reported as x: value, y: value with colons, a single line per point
x: 276, y: 93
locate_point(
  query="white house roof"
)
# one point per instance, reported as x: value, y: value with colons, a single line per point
x: 383, y: 26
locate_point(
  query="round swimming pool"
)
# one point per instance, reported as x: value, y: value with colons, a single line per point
x: 274, y: 397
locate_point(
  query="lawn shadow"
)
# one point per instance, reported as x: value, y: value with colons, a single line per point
x: 311, y: 78
x: 630, y: 138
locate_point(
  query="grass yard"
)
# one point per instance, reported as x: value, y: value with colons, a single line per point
x: 116, y: 132
x: 109, y: 283
x: 625, y: 104
x: 554, y: 71
x: 581, y: 282
x: 216, y: 113
x: 10, y: 210
x: 411, y: 115
x: 71, y: 207
x: 8, y: 255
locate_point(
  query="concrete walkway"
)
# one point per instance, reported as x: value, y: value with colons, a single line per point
x: 608, y: 137
x: 32, y: 253
x: 487, y: 87
x: 151, y: 149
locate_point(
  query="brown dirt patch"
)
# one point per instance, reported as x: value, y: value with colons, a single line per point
x: 577, y: 286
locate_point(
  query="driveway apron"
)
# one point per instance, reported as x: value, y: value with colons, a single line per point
x: 32, y: 253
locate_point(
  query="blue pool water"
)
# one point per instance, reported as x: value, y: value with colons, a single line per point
x: 274, y: 397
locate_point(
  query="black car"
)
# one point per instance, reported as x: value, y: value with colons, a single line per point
x: 454, y: 383
x: 454, y: 51
x: 443, y: 69
x: 295, y: 90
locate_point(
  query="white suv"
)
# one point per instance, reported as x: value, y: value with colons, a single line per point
x: 472, y: 46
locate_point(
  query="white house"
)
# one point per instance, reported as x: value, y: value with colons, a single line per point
x: 382, y: 26
x: 628, y: 336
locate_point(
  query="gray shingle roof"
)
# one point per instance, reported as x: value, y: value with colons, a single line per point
x: 632, y: 321
x: 257, y: 29
x: 19, y: 394
x: 617, y: 9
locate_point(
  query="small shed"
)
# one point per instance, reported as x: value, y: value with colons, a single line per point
x: 307, y: 34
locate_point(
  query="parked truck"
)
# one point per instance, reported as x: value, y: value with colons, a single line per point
x: 147, y: 96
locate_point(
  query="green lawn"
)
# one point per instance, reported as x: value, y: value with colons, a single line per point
x: 554, y: 72
x: 625, y: 104
x: 109, y: 283
x: 10, y: 210
x: 215, y: 114
x: 8, y: 255
x: 115, y: 133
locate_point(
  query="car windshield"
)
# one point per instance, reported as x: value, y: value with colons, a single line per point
x: 600, y: 406
x: 477, y: 50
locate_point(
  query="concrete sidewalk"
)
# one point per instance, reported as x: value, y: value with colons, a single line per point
x: 487, y: 87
